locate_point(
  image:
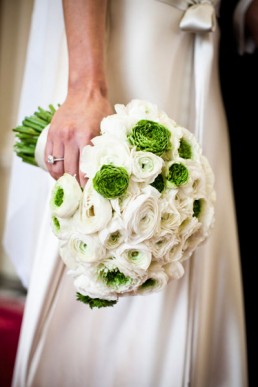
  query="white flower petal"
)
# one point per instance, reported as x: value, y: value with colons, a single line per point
x: 106, y: 150
x: 65, y: 196
x: 142, y: 215
x: 62, y: 227
x: 156, y: 281
x: 146, y: 166
x: 161, y: 244
x: 135, y: 258
x: 86, y: 248
x: 174, y: 270
x: 94, y: 211
x: 113, y: 234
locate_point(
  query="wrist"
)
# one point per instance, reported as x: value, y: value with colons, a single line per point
x: 87, y: 86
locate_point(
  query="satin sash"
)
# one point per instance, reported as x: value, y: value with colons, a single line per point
x: 199, y: 18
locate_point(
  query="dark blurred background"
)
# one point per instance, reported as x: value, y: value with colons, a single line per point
x: 239, y: 83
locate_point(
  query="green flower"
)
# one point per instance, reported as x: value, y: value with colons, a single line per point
x: 178, y: 174
x: 197, y: 207
x: 150, y: 283
x: 114, y: 278
x: 56, y: 223
x: 159, y: 183
x: 110, y: 181
x: 150, y: 136
x: 185, y: 149
x: 58, y: 196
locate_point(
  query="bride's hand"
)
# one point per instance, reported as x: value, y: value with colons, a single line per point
x: 73, y: 126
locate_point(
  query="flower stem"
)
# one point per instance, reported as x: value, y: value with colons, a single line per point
x: 27, y: 134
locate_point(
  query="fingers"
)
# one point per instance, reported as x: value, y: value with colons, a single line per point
x: 82, y: 179
x: 71, y: 159
x: 55, y: 149
x: 56, y: 169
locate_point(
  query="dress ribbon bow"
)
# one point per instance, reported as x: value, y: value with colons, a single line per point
x: 199, y: 17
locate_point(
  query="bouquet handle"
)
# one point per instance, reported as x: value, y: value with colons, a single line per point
x: 40, y: 148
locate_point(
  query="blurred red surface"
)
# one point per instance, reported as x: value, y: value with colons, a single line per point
x: 11, y: 312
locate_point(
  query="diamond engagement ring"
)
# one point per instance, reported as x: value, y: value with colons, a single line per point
x: 51, y: 159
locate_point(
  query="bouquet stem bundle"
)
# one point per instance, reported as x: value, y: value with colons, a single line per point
x: 28, y: 132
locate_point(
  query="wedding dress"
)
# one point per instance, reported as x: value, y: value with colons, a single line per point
x: 190, y: 333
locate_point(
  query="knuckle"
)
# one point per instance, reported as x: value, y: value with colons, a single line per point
x: 67, y: 133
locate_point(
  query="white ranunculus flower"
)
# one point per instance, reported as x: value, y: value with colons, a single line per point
x: 174, y: 254
x: 139, y: 110
x: 157, y: 279
x: 146, y: 166
x: 94, y: 211
x: 65, y: 196
x: 206, y: 215
x: 62, y: 227
x: 115, y: 276
x: 191, y: 244
x: 161, y: 244
x: 170, y: 216
x: 170, y: 124
x: 89, y: 285
x: 142, y: 215
x: 209, y: 179
x: 67, y: 257
x: 106, y: 150
x: 135, y: 258
x: 174, y: 270
x: 119, y: 204
x: 188, y: 227
x: 113, y: 234
x: 188, y: 148
x: 196, y: 185
x: 184, y: 205
x: 86, y: 248
x: 115, y: 125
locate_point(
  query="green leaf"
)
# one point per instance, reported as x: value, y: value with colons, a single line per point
x: 94, y: 302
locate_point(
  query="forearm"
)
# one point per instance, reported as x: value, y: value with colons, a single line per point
x: 85, y: 30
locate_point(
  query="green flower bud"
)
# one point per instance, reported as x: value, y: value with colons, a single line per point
x: 159, y: 183
x: 114, y: 278
x: 185, y: 149
x: 149, y: 283
x: 110, y: 181
x: 178, y: 174
x: 150, y: 136
x: 56, y: 223
x: 197, y: 207
x: 58, y: 196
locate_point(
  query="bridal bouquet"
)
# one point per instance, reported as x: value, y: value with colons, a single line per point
x: 147, y: 205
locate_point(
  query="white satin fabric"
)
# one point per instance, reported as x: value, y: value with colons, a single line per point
x: 191, y: 333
